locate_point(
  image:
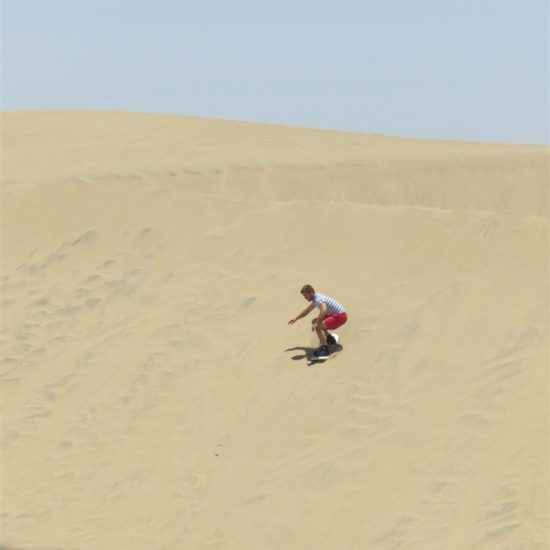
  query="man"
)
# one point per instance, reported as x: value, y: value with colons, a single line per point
x: 331, y: 316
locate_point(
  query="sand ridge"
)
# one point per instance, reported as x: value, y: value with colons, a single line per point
x: 153, y: 395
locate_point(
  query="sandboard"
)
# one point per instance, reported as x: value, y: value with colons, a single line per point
x: 334, y: 350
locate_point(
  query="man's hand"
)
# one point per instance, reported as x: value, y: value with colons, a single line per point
x: 292, y: 321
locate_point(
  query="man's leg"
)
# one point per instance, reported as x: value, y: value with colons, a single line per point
x: 321, y: 331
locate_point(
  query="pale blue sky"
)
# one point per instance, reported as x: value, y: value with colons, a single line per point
x: 457, y: 69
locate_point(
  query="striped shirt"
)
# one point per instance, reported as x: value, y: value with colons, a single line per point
x: 333, y: 306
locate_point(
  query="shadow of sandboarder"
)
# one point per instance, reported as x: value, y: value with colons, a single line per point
x: 308, y: 353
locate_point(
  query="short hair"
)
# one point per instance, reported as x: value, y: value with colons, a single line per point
x: 307, y: 288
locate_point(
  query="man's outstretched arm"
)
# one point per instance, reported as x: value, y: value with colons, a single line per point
x: 306, y: 311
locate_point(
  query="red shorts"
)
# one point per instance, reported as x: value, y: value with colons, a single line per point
x: 335, y: 321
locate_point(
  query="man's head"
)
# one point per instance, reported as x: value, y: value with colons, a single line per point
x: 308, y: 292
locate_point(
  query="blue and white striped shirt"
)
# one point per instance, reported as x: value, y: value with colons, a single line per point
x: 333, y: 306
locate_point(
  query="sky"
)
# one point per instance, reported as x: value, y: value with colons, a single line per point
x: 475, y: 70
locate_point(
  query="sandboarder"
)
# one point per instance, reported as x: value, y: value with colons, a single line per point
x: 331, y: 316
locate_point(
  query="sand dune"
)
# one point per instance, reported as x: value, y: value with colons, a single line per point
x: 154, y: 396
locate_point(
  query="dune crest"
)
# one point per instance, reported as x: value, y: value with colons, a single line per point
x: 270, y: 162
x: 153, y: 395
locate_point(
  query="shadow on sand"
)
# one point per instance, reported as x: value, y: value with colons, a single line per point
x: 307, y: 354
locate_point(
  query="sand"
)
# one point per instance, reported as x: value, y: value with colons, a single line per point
x: 154, y: 396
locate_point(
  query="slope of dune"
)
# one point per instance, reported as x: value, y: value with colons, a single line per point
x: 154, y: 396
